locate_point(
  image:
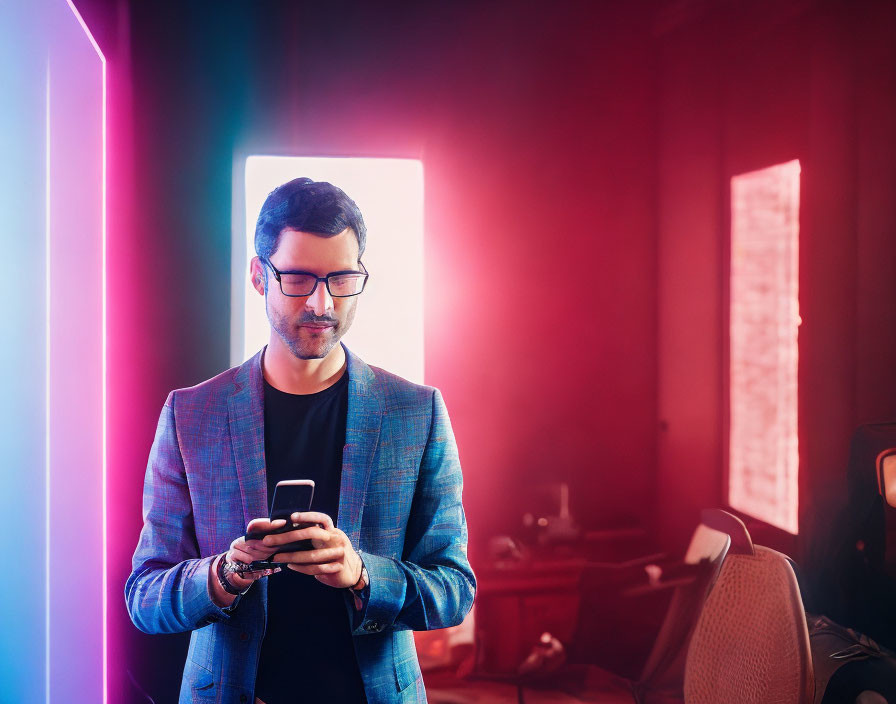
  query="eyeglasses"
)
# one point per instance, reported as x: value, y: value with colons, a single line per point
x: 340, y: 284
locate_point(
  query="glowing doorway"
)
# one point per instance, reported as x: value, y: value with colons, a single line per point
x: 389, y: 193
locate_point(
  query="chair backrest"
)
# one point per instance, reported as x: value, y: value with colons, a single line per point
x: 724, y: 522
x: 751, y: 644
x: 663, y: 672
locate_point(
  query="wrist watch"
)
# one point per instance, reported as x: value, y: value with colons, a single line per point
x: 221, y: 572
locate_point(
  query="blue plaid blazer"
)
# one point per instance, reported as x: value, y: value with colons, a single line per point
x: 400, y: 504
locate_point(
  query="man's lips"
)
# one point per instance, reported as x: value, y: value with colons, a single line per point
x: 317, y: 326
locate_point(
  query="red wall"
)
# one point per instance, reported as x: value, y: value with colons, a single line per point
x: 535, y: 130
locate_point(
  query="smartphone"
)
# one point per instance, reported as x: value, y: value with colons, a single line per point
x: 290, y: 495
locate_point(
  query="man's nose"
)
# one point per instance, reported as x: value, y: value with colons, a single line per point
x: 320, y: 301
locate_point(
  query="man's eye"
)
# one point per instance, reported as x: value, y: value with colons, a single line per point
x: 349, y: 283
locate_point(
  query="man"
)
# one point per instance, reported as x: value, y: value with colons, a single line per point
x: 388, y: 529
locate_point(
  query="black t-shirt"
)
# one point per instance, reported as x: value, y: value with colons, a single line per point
x: 307, y: 654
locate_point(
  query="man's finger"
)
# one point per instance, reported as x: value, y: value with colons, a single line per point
x: 312, y: 532
x: 310, y: 557
x: 237, y: 555
x: 313, y: 517
x: 264, y: 524
x: 330, y: 568
x: 252, y: 546
x: 255, y: 547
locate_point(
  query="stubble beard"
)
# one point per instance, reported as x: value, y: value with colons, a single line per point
x: 312, y: 347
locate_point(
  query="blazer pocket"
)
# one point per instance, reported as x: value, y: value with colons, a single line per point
x: 407, y: 668
x: 204, y: 688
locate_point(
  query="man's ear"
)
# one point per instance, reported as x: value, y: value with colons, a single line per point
x: 257, y: 275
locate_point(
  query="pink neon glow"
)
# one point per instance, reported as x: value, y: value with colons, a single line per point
x: 105, y: 571
x: 47, y: 397
x: 764, y: 450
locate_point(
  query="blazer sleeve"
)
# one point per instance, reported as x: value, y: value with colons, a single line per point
x: 432, y: 586
x: 167, y: 591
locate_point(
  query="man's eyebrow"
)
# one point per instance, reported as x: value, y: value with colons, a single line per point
x: 298, y: 267
x: 308, y: 271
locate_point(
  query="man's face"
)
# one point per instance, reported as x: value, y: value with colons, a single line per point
x: 310, y: 326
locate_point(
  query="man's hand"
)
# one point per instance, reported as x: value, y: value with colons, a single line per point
x: 246, y: 551
x: 333, y: 560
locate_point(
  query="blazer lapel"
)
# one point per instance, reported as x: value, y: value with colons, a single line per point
x: 362, y: 434
x: 246, y: 414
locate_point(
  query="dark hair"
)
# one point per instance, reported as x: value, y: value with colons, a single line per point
x: 309, y: 206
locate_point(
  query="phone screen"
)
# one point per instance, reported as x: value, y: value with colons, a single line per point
x: 291, y: 496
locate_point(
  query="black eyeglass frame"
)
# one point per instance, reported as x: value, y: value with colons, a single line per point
x: 325, y: 279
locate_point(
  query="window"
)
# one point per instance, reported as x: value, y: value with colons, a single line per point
x: 764, y: 322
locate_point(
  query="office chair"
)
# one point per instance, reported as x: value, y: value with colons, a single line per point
x: 751, y: 643
x: 662, y: 676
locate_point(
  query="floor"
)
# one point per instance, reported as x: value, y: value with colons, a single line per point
x: 599, y: 686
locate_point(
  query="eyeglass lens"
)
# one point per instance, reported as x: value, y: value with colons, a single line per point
x: 339, y: 285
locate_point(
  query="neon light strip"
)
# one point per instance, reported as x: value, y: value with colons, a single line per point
x: 105, y: 578
x: 105, y: 433
x: 47, y: 391
x: 93, y: 42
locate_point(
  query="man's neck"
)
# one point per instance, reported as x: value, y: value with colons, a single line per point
x: 286, y: 372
